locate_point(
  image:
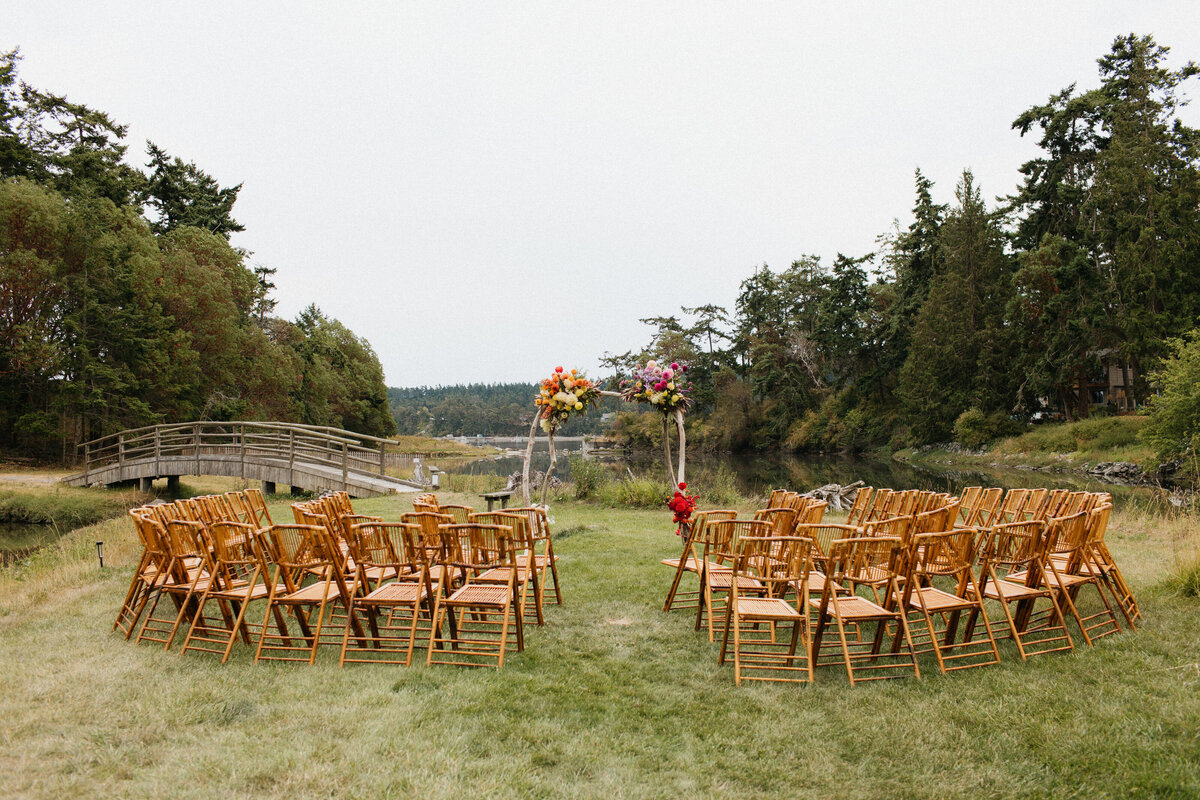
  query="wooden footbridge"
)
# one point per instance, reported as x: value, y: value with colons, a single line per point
x: 304, y: 457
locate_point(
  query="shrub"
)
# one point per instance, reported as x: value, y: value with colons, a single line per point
x: 1184, y: 578
x: 974, y: 428
x: 587, y: 475
x: 716, y: 488
x: 635, y: 493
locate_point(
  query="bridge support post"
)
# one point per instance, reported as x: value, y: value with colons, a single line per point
x: 268, y: 487
x: 173, y: 484
x: 145, y: 484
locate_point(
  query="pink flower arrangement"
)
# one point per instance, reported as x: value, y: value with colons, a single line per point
x: 664, y: 387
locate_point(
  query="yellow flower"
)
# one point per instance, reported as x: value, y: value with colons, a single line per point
x: 579, y: 406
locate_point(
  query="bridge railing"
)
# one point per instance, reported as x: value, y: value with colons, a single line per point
x: 353, y: 453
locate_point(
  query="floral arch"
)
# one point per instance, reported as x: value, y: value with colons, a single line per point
x: 569, y: 393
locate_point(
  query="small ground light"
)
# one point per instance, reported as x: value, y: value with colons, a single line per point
x: 100, y: 553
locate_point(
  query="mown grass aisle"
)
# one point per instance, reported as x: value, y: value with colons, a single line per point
x: 612, y: 698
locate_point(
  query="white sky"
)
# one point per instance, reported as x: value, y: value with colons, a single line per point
x: 487, y: 190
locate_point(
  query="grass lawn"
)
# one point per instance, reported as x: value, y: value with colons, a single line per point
x: 612, y: 699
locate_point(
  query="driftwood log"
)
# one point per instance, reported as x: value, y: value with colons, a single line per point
x: 837, y: 496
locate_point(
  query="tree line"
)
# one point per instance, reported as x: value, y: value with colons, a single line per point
x: 501, y: 409
x: 122, y: 302
x: 977, y: 316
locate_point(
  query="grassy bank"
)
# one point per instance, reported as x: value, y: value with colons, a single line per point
x: 1065, y: 446
x: 612, y: 698
x: 63, y: 506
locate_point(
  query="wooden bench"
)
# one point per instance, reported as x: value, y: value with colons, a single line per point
x: 502, y: 496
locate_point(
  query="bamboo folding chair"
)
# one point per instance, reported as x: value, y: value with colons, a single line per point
x: 480, y: 616
x: 878, y: 505
x: 543, y: 550
x: 527, y: 572
x: 860, y: 506
x: 813, y: 513
x: 1105, y: 565
x: 687, y: 561
x: 719, y: 540
x: 258, y: 505
x: 797, y: 502
x: 782, y: 520
x: 150, y: 572
x: 459, y: 513
x: 984, y: 512
x: 1035, y: 504
x: 302, y: 553
x: 391, y: 548
x: 781, y: 564
x: 948, y: 555
x: 238, y: 577
x: 1020, y: 547
x: 186, y: 578
x: 430, y: 523
x: 822, y: 536
x: 426, y: 502
x: 1071, y: 567
x: 967, y: 502
x: 1054, y: 504
x: 856, y: 561
x: 778, y: 498
x: 241, y: 508
x: 1012, y: 507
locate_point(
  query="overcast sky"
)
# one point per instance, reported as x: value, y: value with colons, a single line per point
x: 487, y: 190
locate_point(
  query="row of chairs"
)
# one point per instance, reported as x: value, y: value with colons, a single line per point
x: 369, y: 586
x: 919, y: 579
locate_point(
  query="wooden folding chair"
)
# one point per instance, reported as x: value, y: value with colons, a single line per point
x: 1070, y: 568
x: 719, y: 540
x: 878, y: 505
x: 527, y: 572
x: 480, y: 616
x: 238, y: 577
x: 150, y: 572
x: 258, y: 505
x: 781, y: 564
x: 543, y: 556
x: 186, y: 578
x: 302, y: 553
x: 860, y: 506
x: 388, y: 548
x: 857, y: 562
x: 459, y: 513
x: 984, y: 512
x: 948, y: 555
x: 1103, y: 563
x: 687, y: 562
x: 966, y: 504
x: 1013, y: 548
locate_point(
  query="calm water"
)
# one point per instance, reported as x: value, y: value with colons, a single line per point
x: 758, y: 474
x: 16, y: 540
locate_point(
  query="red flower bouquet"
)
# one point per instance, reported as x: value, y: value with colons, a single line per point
x: 683, y: 505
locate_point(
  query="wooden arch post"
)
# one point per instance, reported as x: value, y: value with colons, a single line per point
x: 676, y: 476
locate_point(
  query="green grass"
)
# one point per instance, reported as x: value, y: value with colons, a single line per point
x: 611, y: 699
